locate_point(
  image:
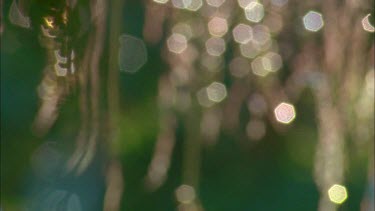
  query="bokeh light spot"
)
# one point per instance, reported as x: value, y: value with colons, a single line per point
x: 258, y: 68
x: 185, y: 194
x: 132, y: 53
x: 261, y: 35
x: 285, y: 113
x: 203, y: 99
x: 366, y: 24
x: 215, y: 46
x: 216, y: 92
x: 337, y: 194
x: 177, y: 43
x: 249, y: 50
x: 183, y: 29
x: 272, y: 61
x: 254, y: 12
x: 218, y: 26
x: 313, y: 21
x: 242, y: 33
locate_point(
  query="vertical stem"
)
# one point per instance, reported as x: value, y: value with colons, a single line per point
x: 114, y: 176
x: 329, y: 161
x: 192, y: 149
x: 113, y: 70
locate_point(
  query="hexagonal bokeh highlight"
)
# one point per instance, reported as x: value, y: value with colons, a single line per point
x: 261, y: 35
x: 203, y: 99
x: 216, y: 92
x: 285, y: 113
x: 258, y: 68
x: 218, y: 26
x: 242, y: 33
x: 337, y: 194
x: 132, y: 53
x: 272, y: 61
x: 254, y: 12
x: 313, y: 21
x: 249, y: 50
x: 177, y: 43
x: 215, y: 46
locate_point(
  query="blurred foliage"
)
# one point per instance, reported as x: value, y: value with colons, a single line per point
x: 275, y: 173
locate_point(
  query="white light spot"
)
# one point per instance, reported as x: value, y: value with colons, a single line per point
x: 313, y: 21
x: 337, y: 194
x: 216, y: 92
x: 254, y: 12
x: 285, y: 113
x: 367, y: 25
